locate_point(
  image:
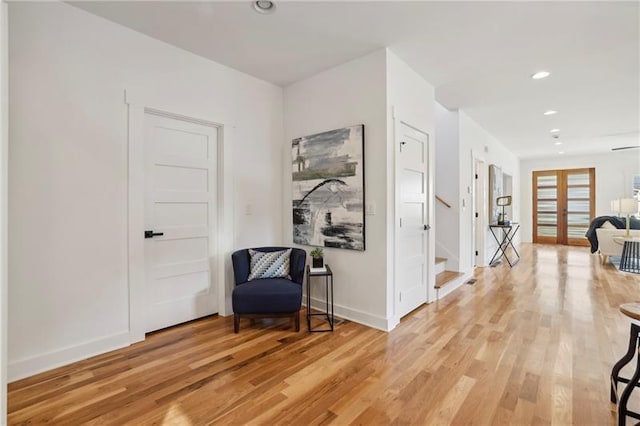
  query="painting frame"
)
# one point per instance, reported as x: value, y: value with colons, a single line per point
x: 328, y: 189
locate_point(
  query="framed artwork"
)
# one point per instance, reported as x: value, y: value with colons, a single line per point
x: 328, y: 189
x: 495, y: 191
x: 636, y: 187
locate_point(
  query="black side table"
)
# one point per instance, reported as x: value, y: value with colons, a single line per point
x: 328, y: 316
x: 506, y: 240
x: 630, y: 259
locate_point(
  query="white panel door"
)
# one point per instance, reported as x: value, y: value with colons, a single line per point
x: 478, y: 216
x: 412, y: 233
x: 180, y: 204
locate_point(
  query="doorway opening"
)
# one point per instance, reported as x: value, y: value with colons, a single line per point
x: 178, y: 187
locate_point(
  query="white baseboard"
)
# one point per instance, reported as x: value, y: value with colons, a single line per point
x: 355, y: 315
x: 37, y: 364
x: 456, y: 284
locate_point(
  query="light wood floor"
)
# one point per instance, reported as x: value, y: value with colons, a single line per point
x: 528, y: 345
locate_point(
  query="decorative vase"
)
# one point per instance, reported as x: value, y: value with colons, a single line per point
x: 318, y: 262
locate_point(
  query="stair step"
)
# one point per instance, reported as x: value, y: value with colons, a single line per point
x: 445, y: 277
x: 441, y: 265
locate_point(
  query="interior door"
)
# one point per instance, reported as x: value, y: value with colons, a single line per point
x: 412, y: 233
x: 180, y: 212
x: 563, y: 205
x: 479, y: 198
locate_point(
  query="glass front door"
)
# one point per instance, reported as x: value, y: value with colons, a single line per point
x: 563, y: 205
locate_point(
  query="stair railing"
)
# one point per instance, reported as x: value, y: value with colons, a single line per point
x: 443, y: 202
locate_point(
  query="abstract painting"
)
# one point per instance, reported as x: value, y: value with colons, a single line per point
x: 328, y: 189
x: 495, y: 191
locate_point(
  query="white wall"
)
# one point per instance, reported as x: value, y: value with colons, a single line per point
x: 366, y: 90
x: 410, y: 99
x: 351, y: 93
x: 448, y: 186
x: 4, y: 133
x: 473, y: 140
x: 614, y: 176
x: 68, y: 178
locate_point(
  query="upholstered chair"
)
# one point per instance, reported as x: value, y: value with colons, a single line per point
x: 267, y: 297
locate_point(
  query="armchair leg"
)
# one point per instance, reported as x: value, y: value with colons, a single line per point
x: 297, y: 320
x: 236, y: 323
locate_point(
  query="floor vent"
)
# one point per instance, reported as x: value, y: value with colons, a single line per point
x: 472, y: 281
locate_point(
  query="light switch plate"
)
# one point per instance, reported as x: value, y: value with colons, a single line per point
x: 370, y: 209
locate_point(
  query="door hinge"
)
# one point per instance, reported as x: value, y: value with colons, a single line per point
x: 401, y: 296
x: 400, y: 222
x: 476, y: 214
x: 476, y: 252
x: 476, y: 176
x: 402, y: 143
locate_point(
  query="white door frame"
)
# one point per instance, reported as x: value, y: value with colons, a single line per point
x: 4, y: 204
x: 430, y: 203
x: 478, y: 234
x: 136, y: 204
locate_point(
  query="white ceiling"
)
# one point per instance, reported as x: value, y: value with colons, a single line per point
x: 478, y: 55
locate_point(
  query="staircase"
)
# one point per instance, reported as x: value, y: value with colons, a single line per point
x: 444, y: 277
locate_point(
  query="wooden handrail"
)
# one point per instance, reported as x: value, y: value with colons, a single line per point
x: 443, y: 202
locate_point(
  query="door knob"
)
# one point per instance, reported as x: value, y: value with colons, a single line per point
x: 151, y: 234
x: 427, y: 227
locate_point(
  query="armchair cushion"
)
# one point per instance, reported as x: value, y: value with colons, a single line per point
x: 265, y: 296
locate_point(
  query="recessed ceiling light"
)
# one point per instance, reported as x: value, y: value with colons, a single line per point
x: 540, y: 75
x: 550, y: 112
x: 554, y: 130
x: 264, y: 6
x: 558, y: 143
x: 560, y: 152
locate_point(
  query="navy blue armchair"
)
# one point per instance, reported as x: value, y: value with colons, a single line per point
x: 267, y: 297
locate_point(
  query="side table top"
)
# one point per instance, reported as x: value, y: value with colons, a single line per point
x: 621, y: 239
x: 632, y: 310
x: 510, y: 225
x: 319, y: 274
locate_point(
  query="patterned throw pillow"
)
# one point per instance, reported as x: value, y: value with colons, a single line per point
x: 269, y: 265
